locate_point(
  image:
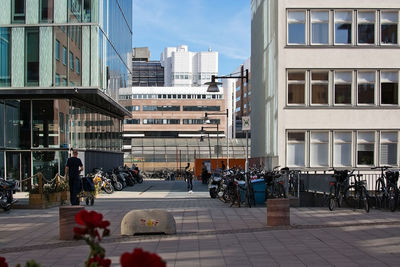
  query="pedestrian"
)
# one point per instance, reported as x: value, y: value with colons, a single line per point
x: 223, y: 167
x: 73, y: 170
x: 204, y: 173
x: 189, y: 178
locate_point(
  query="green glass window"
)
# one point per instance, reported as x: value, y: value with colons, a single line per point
x: 71, y: 60
x: 5, y: 52
x: 18, y: 11
x: 32, y: 56
x: 46, y: 10
x: 57, y: 50
x: 57, y: 81
x: 77, y: 66
x: 64, y: 59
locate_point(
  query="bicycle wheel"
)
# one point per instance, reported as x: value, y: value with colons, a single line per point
x: 332, y: 198
x: 365, y: 199
x: 379, y: 193
x: 281, y: 191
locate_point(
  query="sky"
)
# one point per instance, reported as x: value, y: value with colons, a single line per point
x: 222, y: 25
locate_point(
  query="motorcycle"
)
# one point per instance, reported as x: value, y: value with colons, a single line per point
x: 136, y: 175
x: 114, y: 181
x: 104, y: 182
x: 215, y: 185
x: 7, y: 189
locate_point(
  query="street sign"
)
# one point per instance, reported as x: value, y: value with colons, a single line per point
x: 246, y: 125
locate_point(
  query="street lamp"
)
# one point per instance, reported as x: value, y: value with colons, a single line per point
x: 202, y: 139
x: 213, y: 88
x: 207, y: 120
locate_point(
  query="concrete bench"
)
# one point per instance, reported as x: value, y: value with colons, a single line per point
x: 148, y: 222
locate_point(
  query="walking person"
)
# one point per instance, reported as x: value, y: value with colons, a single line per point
x: 189, y: 178
x: 73, y: 170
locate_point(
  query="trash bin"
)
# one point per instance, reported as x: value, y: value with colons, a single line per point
x: 259, y: 190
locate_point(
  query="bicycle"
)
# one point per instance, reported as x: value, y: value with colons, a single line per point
x: 386, y: 191
x: 337, y: 188
x: 358, y: 191
x: 274, y: 188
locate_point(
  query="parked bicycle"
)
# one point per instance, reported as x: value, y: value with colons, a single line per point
x: 386, y: 190
x: 337, y: 188
x: 274, y: 186
x: 358, y: 192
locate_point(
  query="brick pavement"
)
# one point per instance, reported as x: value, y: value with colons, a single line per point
x: 210, y: 233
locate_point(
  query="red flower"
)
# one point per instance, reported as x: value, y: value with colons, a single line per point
x: 101, y: 262
x: 140, y: 258
x: 3, y: 262
x: 79, y: 232
x: 91, y: 219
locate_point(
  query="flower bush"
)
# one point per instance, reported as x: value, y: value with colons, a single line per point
x: 92, y: 229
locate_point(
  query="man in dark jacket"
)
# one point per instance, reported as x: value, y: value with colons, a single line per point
x: 73, y: 170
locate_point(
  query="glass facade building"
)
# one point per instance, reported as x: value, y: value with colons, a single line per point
x: 62, y: 63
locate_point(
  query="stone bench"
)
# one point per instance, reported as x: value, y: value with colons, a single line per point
x: 148, y: 222
x: 278, y: 212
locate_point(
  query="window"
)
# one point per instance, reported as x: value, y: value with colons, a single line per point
x: 132, y: 121
x: 57, y: 80
x: 343, y: 27
x: 366, y: 27
x: 46, y: 10
x: 319, y: 150
x: 365, y: 148
x: 296, y: 87
x: 296, y: 27
x: 57, y: 50
x: 64, y: 83
x: 389, y: 88
x: 342, y: 149
x: 201, y: 108
x: 389, y: 21
x: 78, y: 67
x: 319, y: 87
x: 71, y: 60
x: 343, y: 81
x: 18, y: 15
x: 133, y: 108
x: 319, y: 27
x: 366, y: 88
x: 32, y: 56
x: 64, y: 59
x: 296, y: 149
x: 389, y: 148
x: 5, y: 57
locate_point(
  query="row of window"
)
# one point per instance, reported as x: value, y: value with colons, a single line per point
x: 171, y: 96
x: 64, y: 57
x: 174, y: 108
x: 176, y: 121
x: 342, y: 87
x: 188, y: 75
x: 342, y: 27
x: 342, y: 148
x: 79, y: 11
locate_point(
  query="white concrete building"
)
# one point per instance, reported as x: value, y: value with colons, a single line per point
x: 185, y: 68
x: 324, y: 83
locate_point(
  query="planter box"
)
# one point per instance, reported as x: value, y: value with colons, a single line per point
x: 39, y: 201
x: 65, y: 197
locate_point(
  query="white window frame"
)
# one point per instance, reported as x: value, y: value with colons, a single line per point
x: 388, y: 22
x: 368, y: 22
x: 380, y: 87
x: 375, y: 83
x: 296, y: 82
x: 288, y: 21
x: 335, y: 141
x: 320, y: 82
x: 365, y: 142
x: 382, y: 141
x: 327, y: 142
x: 320, y: 21
x: 297, y: 142
x: 343, y: 21
x: 335, y: 82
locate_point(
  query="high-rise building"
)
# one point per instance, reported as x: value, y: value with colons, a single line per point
x: 185, y: 68
x: 326, y: 75
x: 62, y: 63
x: 146, y: 72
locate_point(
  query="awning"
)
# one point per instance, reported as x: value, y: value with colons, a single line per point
x: 92, y: 96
